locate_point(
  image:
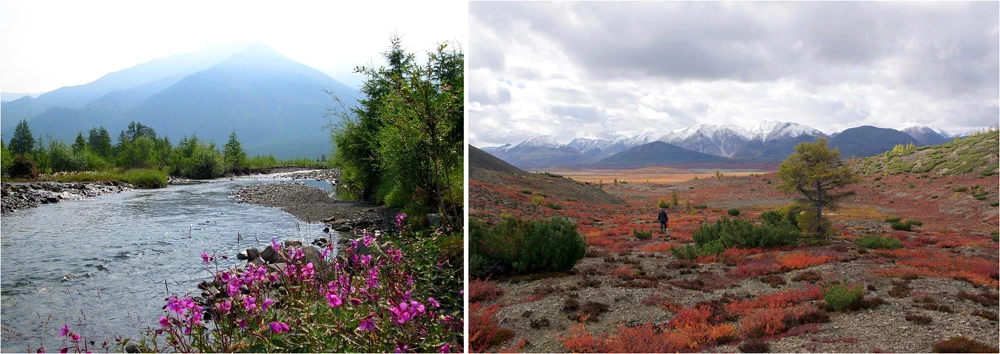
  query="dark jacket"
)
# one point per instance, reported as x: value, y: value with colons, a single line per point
x: 663, y: 215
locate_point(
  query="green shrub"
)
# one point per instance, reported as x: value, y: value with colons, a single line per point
x: 959, y: 189
x: 734, y: 212
x: 642, y: 235
x: 713, y: 238
x: 981, y: 196
x: 525, y: 191
x: 663, y: 204
x: 841, y: 296
x: 145, y: 178
x: 23, y: 167
x: 914, y: 223
x: 554, y: 206
x: 537, y: 199
x: 993, y: 204
x: 686, y: 252
x: 996, y: 237
x: 520, y: 246
x: 879, y: 242
x: 893, y: 219
x: 701, y: 207
x: 902, y: 226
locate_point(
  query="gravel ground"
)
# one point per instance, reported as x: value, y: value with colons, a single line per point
x: 19, y: 196
x: 316, y: 205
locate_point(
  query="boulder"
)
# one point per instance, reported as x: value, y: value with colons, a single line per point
x: 269, y: 255
x: 293, y: 243
x: 252, y: 253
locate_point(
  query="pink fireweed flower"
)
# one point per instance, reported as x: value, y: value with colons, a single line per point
x: 365, y: 260
x: 196, y: 316
x: 267, y: 303
x: 279, y: 327
x: 176, y: 305
x: 64, y: 331
x: 333, y: 299
x: 275, y: 245
x: 225, y: 306
x: 249, y: 304
x: 242, y: 324
x: 354, y: 301
x: 399, y: 220
x: 367, y: 240
x: 205, y: 258
x: 64, y: 350
x: 308, y: 271
x: 326, y: 253
x: 233, y: 287
x: 354, y: 244
x: 395, y: 255
x: 402, y: 348
x: 433, y: 302
x: 372, y: 278
x: 367, y: 324
x: 225, y: 277
x: 445, y: 348
x: 164, y: 322
x: 74, y: 337
x: 298, y: 253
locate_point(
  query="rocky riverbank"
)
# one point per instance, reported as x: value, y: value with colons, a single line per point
x: 315, y: 205
x: 19, y: 196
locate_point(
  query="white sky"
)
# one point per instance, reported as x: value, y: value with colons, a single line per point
x: 46, y: 44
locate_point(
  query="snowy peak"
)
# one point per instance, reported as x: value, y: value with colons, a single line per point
x: 705, y: 131
x: 546, y: 141
x: 630, y: 141
x: 770, y: 130
x: 925, y: 134
x: 585, y: 145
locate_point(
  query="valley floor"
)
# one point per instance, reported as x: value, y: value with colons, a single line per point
x: 941, y: 284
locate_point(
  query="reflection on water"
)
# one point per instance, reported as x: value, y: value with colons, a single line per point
x: 100, y: 264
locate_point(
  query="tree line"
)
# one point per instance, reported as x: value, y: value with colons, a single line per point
x: 138, y: 147
x: 402, y: 146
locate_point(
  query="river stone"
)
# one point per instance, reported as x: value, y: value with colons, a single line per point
x: 291, y: 243
x: 269, y: 255
x: 131, y: 348
x: 343, y: 228
x: 242, y: 255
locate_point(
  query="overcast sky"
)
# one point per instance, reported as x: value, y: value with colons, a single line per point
x: 45, y: 45
x: 603, y: 70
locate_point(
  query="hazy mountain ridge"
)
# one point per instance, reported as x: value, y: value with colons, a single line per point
x: 276, y: 105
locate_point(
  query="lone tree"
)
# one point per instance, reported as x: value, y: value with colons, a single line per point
x: 233, y: 154
x: 814, y: 171
x: 22, y: 142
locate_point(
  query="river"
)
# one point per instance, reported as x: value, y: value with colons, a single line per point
x: 99, y: 265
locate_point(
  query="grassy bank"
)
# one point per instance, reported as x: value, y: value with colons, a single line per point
x: 140, y: 178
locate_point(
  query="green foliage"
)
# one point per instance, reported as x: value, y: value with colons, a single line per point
x: 734, y: 212
x: 537, y: 199
x: 99, y: 142
x: 841, y: 296
x: 807, y: 220
x: 879, y: 242
x: 901, y: 226
x: 406, y: 135
x: 553, y: 206
x: 814, y: 172
x: 713, y: 238
x: 147, y: 179
x: 526, y: 191
x: 663, y: 204
x: 521, y: 246
x: 642, y: 235
x: 80, y: 144
x: 685, y: 252
x: 22, y: 142
x: 23, y: 167
x: 673, y: 198
x: 893, y: 219
x: 233, y: 154
x: 789, y: 213
x: 6, y: 159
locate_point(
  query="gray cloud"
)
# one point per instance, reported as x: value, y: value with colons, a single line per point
x: 669, y: 65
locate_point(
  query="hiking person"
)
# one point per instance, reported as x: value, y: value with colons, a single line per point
x: 663, y: 221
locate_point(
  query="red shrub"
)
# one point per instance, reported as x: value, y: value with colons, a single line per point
x: 756, y: 267
x: 484, y: 331
x: 483, y: 290
x: 799, y: 260
x: 578, y: 340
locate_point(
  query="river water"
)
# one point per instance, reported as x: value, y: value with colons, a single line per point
x: 99, y: 265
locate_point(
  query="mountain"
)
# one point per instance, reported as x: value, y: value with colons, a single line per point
x: 927, y: 135
x: 657, y: 153
x: 867, y: 141
x: 481, y: 160
x: 540, y: 151
x: 589, y: 147
x: 716, y: 140
x: 274, y: 104
x: 765, y: 141
x: 773, y: 130
x: 10, y: 96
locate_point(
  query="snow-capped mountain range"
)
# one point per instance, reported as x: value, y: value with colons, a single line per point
x: 764, y: 141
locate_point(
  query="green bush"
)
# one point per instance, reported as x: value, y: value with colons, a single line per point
x: 959, y: 189
x: 879, y: 242
x: 734, y: 212
x: 553, y: 206
x: 663, y: 204
x: 914, y: 223
x: 893, y: 219
x: 520, y: 246
x: 686, y: 252
x: 145, y: 178
x: 738, y: 233
x: 642, y: 235
x: 993, y: 204
x: 902, y: 226
x: 841, y: 296
x: 525, y: 191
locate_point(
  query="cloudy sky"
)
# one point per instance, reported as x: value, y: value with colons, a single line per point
x: 48, y: 44
x: 603, y: 70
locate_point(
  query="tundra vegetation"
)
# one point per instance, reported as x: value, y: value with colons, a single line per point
x: 820, y: 255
